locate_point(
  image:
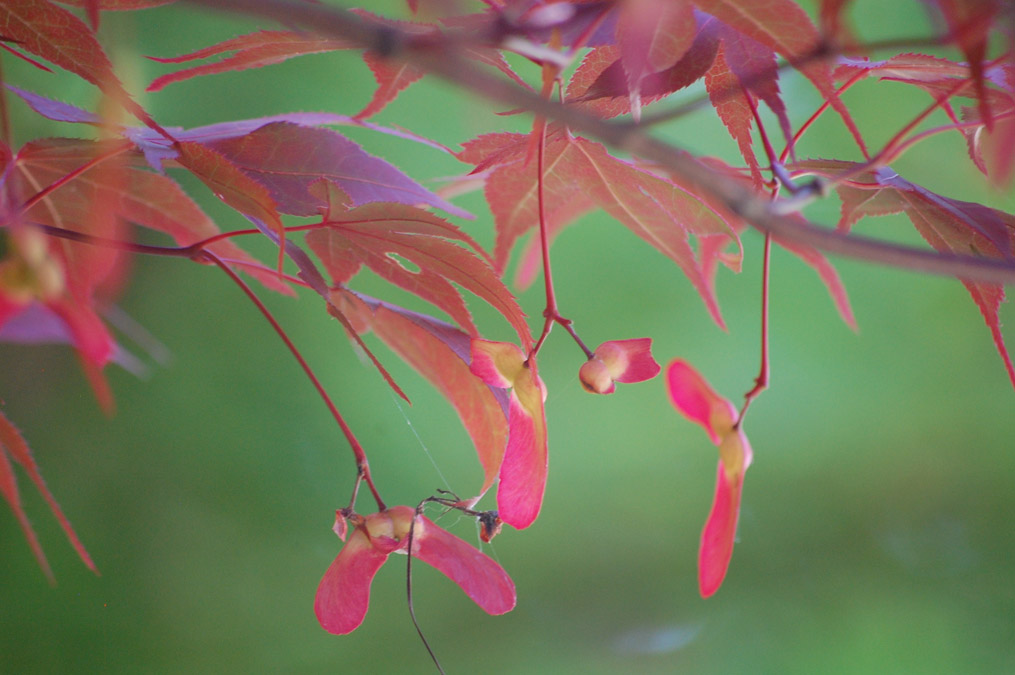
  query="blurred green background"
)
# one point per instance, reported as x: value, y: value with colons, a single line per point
x: 876, y: 532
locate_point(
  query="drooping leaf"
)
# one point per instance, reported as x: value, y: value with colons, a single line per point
x: 578, y: 172
x: 652, y: 36
x: 9, y: 490
x: 970, y: 23
x: 949, y: 225
x: 288, y: 158
x: 82, y: 270
x: 712, y: 249
x: 817, y: 260
x: 600, y: 84
x: 49, y: 31
x: 233, y: 186
x: 730, y: 102
x: 12, y: 443
x: 441, y: 353
x: 254, y: 50
x: 381, y: 236
x: 784, y: 27
x: 753, y: 65
x: 55, y: 34
x: 834, y: 26
x: 392, y: 77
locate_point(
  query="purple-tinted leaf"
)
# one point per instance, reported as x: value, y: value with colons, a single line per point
x: 55, y: 110
x: 288, y: 158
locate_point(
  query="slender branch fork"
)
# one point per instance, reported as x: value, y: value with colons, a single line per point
x: 199, y: 252
x: 447, y: 60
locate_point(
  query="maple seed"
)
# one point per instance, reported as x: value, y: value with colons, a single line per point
x: 344, y: 592
x: 618, y: 361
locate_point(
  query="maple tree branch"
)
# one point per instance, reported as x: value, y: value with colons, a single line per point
x: 821, y: 52
x: 447, y: 60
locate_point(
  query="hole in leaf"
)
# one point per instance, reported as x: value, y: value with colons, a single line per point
x: 404, y: 263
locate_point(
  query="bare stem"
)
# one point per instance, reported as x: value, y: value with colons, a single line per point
x: 362, y: 464
x: 198, y: 253
x: 408, y: 586
x: 762, y: 380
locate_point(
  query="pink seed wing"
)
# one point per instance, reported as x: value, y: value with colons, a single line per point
x: 343, y: 595
x: 523, y: 472
x: 478, y: 575
x: 692, y: 396
x: 719, y: 533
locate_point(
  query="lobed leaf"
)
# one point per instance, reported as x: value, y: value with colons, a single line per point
x: 730, y: 103
x: 58, y: 36
x: 970, y: 23
x: 392, y: 77
x: 652, y: 36
x: 600, y: 85
x: 381, y: 236
x: 949, y: 225
x: 288, y: 158
x: 232, y: 185
x: 785, y: 28
x: 579, y: 174
x: 49, y: 31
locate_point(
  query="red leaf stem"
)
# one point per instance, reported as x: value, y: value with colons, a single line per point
x: 361, y: 458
